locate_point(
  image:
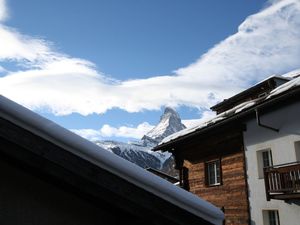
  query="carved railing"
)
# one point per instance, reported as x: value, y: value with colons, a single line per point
x: 282, y: 181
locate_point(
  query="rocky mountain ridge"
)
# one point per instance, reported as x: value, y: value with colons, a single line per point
x: 169, y: 123
x: 140, y: 152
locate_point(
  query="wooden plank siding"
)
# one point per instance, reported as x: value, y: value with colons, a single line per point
x: 224, y: 143
x: 231, y: 194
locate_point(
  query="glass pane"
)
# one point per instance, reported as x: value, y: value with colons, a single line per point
x: 273, y: 217
x: 213, y: 172
x: 266, y: 159
x: 218, y: 172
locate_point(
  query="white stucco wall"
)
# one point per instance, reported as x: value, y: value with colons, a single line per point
x: 282, y: 145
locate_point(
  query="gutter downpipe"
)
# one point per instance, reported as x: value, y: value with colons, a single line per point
x: 263, y: 125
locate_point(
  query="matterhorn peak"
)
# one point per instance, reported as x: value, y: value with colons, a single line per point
x: 169, y: 111
x: 169, y: 123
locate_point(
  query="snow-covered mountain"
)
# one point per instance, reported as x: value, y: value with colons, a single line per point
x: 136, y: 153
x: 169, y: 123
x: 140, y: 152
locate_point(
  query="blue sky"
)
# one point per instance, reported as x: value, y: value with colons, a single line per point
x: 109, y: 67
x: 135, y: 38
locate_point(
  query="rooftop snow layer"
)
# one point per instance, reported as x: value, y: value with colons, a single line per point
x: 237, y: 109
x: 85, y: 149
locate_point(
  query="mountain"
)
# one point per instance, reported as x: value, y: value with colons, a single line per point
x: 169, y: 123
x: 140, y: 152
x: 136, y: 153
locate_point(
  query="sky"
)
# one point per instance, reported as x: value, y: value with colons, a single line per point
x: 106, y: 69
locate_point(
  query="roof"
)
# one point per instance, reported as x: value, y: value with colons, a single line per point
x: 265, y: 85
x: 284, y: 90
x: 163, y: 175
x: 92, y: 153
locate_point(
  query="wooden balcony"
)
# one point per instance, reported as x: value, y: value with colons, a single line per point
x: 282, y: 182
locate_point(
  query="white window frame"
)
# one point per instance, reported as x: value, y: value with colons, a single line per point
x: 271, y: 217
x: 297, y: 150
x: 263, y: 157
x: 213, y: 168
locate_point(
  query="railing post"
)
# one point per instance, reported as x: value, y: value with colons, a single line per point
x: 267, y: 186
x: 282, y: 181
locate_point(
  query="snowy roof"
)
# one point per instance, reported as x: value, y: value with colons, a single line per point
x: 85, y: 149
x: 234, y: 111
x: 241, y: 95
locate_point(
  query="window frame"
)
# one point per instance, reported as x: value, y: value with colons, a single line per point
x: 217, y: 168
x: 261, y: 161
x: 271, y: 215
x: 268, y: 159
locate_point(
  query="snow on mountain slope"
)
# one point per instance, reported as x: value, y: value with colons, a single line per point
x: 140, y: 152
x: 169, y: 123
x: 136, y: 153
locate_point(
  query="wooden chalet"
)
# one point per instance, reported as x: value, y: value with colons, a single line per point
x: 211, y: 157
x: 51, y: 176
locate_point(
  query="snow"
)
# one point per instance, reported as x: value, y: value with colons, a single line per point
x: 285, y: 87
x: 214, y: 120
x: 85, y: 149
x: 292, y: 74
x: 239, y: 108
x: 136, y: 147
x: 169, y: 123
x: 159, y: 129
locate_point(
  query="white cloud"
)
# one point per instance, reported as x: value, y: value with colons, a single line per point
x: 109, y: 131
x: 3, y: 10
x: 265, y: 43
x: 19, y: 47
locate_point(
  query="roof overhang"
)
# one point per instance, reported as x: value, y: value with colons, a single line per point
x: 283, y: 98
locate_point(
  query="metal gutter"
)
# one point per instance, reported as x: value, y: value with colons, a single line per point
x: 263, y: 125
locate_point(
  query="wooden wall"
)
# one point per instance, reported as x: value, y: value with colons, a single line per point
x: 232, y: 194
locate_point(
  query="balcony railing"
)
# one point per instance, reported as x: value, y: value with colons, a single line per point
x: 283, y: 181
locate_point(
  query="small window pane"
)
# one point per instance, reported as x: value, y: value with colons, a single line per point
x: 213, y: 172
x: 267, y: 158
x: 218, y: 172
x: 273, y: 217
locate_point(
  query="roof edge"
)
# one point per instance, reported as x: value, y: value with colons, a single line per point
x: 89, y: 151
x: 238, y: 115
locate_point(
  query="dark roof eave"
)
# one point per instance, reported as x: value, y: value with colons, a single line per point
x: 263, y: 104
x: 215, y: 107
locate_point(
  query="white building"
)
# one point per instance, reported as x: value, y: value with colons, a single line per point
x: 279, y: 150
x: 267, y: 118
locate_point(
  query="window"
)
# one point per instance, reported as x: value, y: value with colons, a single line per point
x: 213, y: 173
x: 267, y: 158
x: 271, y: 217
x: 297, y: 149
x: 264, y: 159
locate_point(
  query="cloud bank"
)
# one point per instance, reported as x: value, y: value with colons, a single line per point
x: 109, y: 131
x: 265, y: 43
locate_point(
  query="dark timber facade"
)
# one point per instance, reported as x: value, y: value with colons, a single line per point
x: 228, y: 189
